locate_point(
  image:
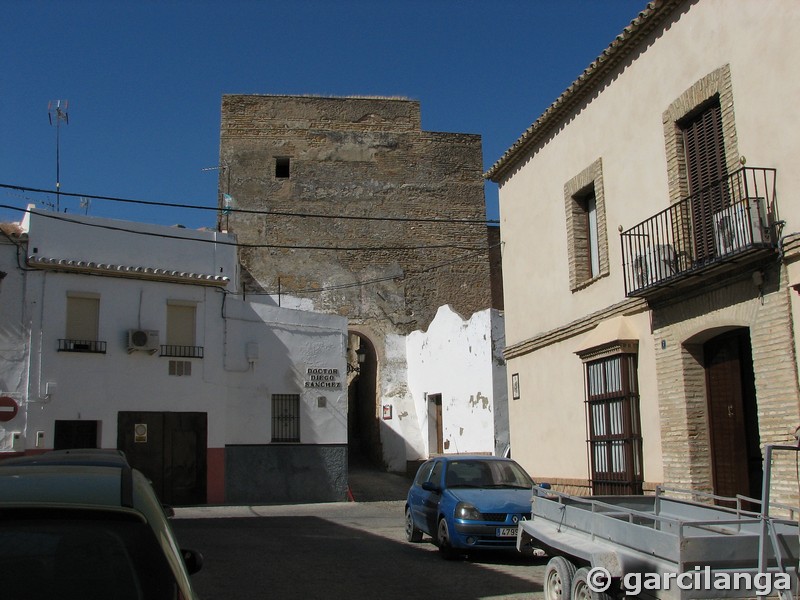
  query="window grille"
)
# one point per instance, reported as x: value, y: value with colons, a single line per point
x: 92, y: 346
x: 285, y: 417
x: 615, y: 439
x: 180, y: 368
x: 181, y: 351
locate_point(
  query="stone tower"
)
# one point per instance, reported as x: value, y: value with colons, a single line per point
x: 346, y: 206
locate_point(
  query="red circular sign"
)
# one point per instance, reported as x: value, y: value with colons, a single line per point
x: 8, y: 408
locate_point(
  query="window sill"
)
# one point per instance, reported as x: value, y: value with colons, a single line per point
x: 587, y: 282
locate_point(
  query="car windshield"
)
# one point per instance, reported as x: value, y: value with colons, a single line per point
x: 82, y: 556
x: 486, y: 474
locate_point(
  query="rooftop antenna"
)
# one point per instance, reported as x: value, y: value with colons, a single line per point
x: 57, y: 112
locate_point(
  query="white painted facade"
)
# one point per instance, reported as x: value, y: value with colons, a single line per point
x: 250, y: 350
x: 460, y: 360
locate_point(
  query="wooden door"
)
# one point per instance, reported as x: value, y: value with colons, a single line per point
x: 170, y: 449
x: 435, y: 432
x: 732, y: 416
x: 69, y: 435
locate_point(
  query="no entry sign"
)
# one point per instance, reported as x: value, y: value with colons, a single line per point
x: 8, y: 408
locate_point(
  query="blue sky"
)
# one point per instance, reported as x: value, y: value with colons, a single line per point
x: 145, y: 79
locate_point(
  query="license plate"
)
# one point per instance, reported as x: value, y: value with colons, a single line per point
x: 506, y: 532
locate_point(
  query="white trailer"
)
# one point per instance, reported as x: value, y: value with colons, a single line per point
x: 676, y: 544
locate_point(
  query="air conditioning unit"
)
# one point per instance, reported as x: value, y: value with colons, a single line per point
x: 739, y: 226
x: 142, y: 339
x: 655, y: 265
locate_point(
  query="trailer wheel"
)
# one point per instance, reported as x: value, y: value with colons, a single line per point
x: 581, y: 589
x: 558, y: 579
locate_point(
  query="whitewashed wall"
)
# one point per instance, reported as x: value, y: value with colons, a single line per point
x: 14, y: 355
x: 251, y: 350
x: 460, y: 359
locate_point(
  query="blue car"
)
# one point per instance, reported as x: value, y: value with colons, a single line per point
x: 468, y: 502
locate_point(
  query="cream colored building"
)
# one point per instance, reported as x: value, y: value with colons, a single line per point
x: 650, y: 258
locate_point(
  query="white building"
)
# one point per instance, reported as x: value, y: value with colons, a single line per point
x: 125, y: 335
x: 131, y: 336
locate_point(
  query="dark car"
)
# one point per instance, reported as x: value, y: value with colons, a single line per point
x: 84, y: 525
x: 468, y: 503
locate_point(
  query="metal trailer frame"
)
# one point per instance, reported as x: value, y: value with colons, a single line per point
x: 663, y: 533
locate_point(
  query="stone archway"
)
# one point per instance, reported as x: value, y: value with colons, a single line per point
x: 363, y: 424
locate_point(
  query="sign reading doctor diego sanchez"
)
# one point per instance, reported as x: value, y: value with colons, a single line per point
x: 317, y: 377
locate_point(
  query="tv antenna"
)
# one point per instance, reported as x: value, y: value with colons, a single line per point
x: 56, y: 112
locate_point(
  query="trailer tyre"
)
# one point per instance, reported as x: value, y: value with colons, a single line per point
x: 581, y: 589
x: 558, y: 577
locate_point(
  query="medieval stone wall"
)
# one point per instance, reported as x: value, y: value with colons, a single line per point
x: 351, y: 158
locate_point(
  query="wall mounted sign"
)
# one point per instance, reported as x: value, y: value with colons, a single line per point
x: 515, y: 386
x: 8, y: 408
x: 323, y: 378
x: 387, y: 412
x: 140, y: 433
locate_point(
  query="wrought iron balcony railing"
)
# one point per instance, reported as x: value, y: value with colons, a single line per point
x: 91, y: 346
x: 181, y: 351
x: 719, y: 224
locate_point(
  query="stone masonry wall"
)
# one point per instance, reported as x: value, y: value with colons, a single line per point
x: 356, y: 157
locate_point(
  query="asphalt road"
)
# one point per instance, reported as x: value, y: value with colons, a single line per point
x: 338, y: 551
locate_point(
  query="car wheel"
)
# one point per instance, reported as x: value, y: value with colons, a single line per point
x: 581, y: 590
x: 412, y: 533
x: 558, y: 577
x: 446, y: 550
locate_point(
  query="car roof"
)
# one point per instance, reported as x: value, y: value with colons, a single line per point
x: 77, y: 457
x: 69, y: 486
x: 65, y: 484
x: 486, y: 457
x: 79, y: 478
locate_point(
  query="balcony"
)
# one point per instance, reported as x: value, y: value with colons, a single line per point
x: 722, y: 228
x: 181, y: 351
x: 90, y: 346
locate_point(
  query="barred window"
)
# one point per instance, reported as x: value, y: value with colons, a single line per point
x: 285, y: 417
x: 615, y: 439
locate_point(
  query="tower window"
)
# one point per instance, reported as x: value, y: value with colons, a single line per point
x: 282, y: 167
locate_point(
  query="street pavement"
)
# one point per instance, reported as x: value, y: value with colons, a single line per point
x: 340, y: 550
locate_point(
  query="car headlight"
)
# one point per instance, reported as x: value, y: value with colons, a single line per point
x: 467, y: 512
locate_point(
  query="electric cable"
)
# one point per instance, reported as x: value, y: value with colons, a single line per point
x: 253, y: 211
x: 60, y: 217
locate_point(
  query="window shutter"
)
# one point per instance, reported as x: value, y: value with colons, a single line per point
x: 706, y: 173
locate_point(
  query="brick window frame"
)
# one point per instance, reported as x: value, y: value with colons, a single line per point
x: 587, y: 183
x: 717, y: 83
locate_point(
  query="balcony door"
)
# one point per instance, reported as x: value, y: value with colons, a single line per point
x: 706, y: 173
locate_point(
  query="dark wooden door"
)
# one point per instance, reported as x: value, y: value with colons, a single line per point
x: 706, y: 172
x: 170, y: 449
x: 732, y: 416
x: 69, y: 435
x: 435, y: 422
